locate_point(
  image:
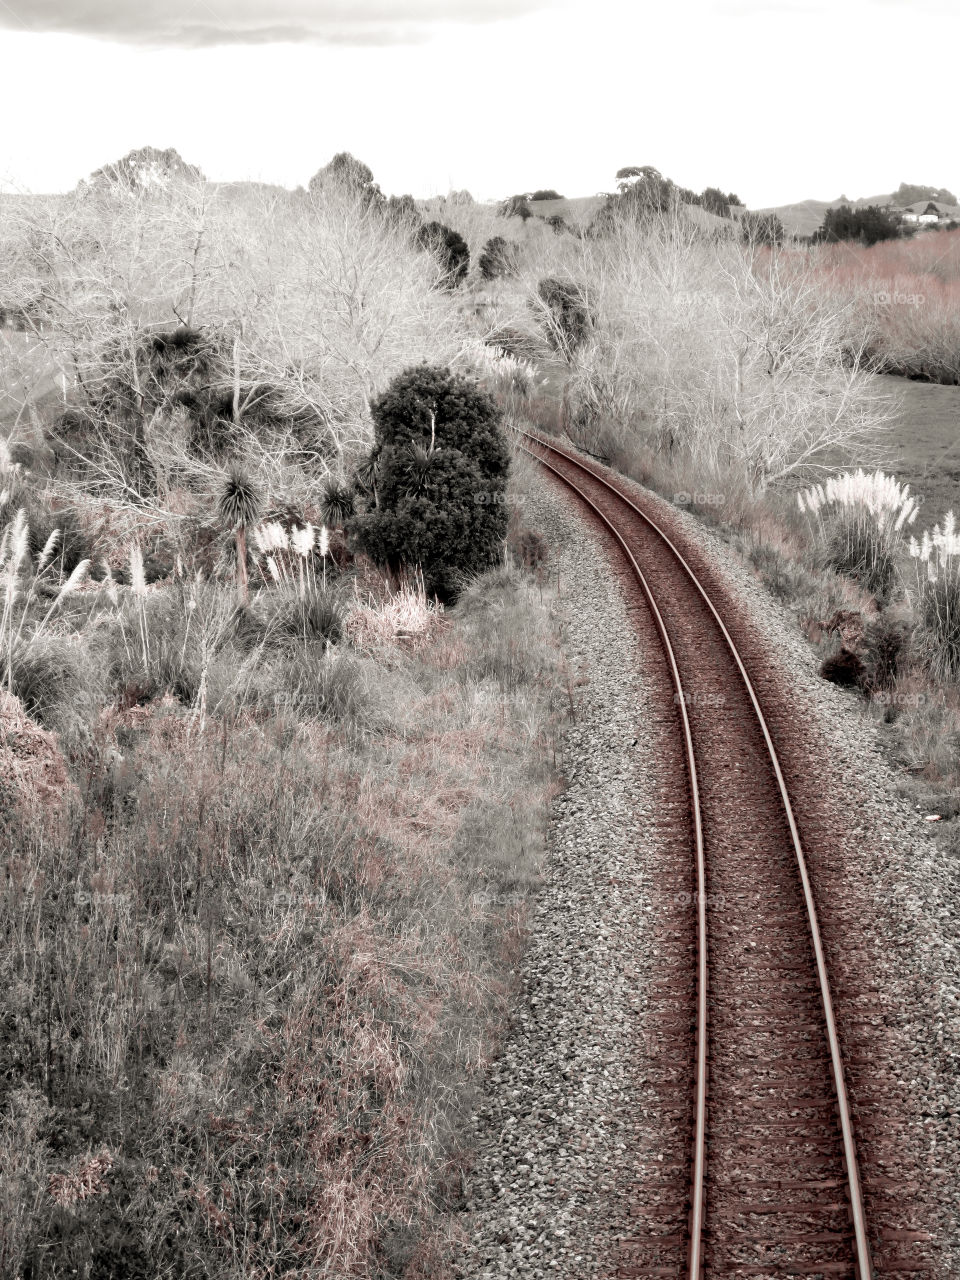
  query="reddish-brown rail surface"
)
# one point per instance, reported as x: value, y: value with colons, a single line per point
x: 772, y: 1185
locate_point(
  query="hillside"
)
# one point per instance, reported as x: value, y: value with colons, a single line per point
x: 805, y: 216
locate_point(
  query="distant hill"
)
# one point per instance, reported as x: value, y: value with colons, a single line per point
x: 804, y: 217
x: 581, y: 209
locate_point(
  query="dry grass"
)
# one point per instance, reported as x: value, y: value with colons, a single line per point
x: 255, y: 968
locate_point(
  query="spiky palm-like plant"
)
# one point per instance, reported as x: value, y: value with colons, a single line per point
x: 368, y: 473
x: 239, y: 506
x: 419, y: 464
x: 336, y: 504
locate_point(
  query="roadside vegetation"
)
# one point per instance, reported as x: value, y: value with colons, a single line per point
x: 278, y: 689
x: 278, y: 665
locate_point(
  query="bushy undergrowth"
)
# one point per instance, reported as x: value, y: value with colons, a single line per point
x: 256, y: 966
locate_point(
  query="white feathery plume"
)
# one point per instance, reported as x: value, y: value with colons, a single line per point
x: 48, y: 549
x: 324, y: 543
x: 303, y: 540
x: 274, y: 571
x: 19, y: 537
x: 78, y: 575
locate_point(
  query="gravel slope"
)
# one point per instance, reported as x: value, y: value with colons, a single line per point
x: 560, y: 1130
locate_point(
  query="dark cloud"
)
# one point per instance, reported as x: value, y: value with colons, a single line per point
x: 202, y: 23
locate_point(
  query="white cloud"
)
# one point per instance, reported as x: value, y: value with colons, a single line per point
x: 205, y: 23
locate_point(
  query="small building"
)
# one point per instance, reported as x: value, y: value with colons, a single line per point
x: 927, y: 212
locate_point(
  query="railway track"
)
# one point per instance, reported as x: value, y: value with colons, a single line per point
x: 771, y: 1185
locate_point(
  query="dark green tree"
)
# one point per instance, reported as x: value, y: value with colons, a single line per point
x: 867, y: 225
x: 435, y: 479
x: 499, y: 258
x: 762, y: 228
x: 450, y: 250
x: 143, y: 170
x: 567, y: 318
x: 347, y: 174
x: 714, y: 201
x: 402, y: 211
x: 515, y: 207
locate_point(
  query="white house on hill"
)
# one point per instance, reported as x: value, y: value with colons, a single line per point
x: 928, y: 211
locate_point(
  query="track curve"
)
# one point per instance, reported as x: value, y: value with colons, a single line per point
x: 778, y: 1119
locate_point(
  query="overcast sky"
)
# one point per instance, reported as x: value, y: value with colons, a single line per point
x: 776, y: 100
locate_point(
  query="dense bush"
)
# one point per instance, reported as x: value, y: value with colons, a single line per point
x: 439, y: 470
x: 547, y: 193
x: 499, y: 258
x: 868, y: 225
x: 450, y: 250
x: 514, y: 207
x: 567, y: 315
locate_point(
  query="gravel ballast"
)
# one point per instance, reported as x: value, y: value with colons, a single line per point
x: 560, y: 1129
x: 566, y: 1119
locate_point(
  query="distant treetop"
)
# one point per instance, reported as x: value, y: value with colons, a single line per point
x: 142, y: 169
x: 547, y: 193
x: 348, y: 174
x: 910, y: 193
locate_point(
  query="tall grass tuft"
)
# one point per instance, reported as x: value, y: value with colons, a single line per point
x: 860, y: 519
x: 938, y: 597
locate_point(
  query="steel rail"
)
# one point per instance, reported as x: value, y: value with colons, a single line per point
x: 863, y: 1266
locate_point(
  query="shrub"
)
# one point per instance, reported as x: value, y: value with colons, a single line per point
x: 315, y: 617
x: 315, y: 685
x: 860, y: 520
x: 450, y: 250
x: 57, y: 682
x: 442, y: 464
x: 499, y: 258
x: 567, y: 315
x: 885, y: 642
x: 72, y: 544
x: 514, y: 207
x: 938, y: 603
x: 844, y: 668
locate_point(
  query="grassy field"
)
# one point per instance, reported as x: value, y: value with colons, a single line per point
x: 924, y: 439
